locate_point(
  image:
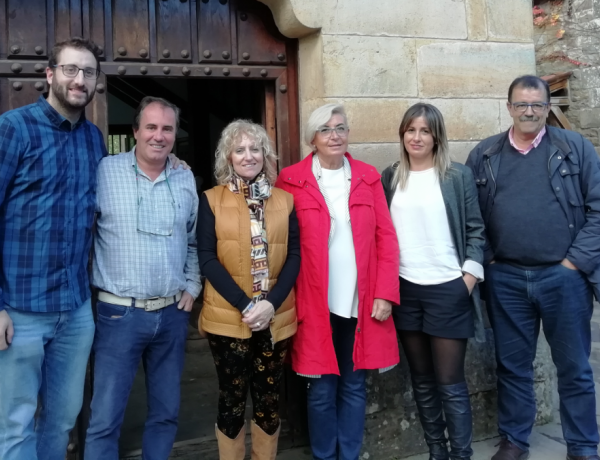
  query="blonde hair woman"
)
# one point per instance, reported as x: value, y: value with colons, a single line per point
x: 433, y: 204
x: 249, y: 251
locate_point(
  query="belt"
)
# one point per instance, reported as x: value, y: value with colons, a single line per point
x: 154, y: 303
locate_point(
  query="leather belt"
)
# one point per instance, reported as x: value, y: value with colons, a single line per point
x: 154, y: 303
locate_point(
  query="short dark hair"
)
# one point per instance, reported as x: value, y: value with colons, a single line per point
x: 151, y: 100
x: 74, y: 42
x: 529, y: 81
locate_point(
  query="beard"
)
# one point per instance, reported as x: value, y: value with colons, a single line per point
x: 61, y: 94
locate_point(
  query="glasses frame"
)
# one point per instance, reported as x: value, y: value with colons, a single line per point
x: 544, y: 104
x: 327, y: 131
x: 79, y: 69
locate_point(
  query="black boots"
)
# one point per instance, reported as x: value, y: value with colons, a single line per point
x: 429, y: 405
x: 457, y: 410
x: 454, y: 399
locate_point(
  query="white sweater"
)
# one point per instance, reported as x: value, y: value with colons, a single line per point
x: 343, y: 290
x: 427, y: 252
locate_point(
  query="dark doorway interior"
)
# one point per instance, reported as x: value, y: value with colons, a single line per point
x: 207, y: 106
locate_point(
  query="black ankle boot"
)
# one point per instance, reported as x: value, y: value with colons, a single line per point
x: 457, y: 410
x: 429, y: 405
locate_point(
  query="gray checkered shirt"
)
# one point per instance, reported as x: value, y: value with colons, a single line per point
x: 145, y: 241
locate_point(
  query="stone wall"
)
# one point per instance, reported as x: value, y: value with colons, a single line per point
x: 379, y: 58
x: 579, y: 51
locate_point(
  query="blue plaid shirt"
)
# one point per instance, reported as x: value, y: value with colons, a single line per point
x: 47, y: 201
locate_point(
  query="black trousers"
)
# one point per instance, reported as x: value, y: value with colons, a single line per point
x: 243, y: 364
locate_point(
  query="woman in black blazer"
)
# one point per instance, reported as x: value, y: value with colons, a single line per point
x: 433, y: 203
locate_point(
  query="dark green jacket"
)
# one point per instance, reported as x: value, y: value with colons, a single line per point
x: 466, y: 225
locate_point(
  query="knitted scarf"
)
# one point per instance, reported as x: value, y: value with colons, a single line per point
x: 255, y: 192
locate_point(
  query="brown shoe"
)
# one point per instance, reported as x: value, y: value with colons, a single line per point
x: 582, y: 457
x: 508, y: 451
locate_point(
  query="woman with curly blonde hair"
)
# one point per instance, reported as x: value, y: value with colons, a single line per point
x: 249, y: 251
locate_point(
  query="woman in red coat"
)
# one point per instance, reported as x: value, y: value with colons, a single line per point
x: 347, y: 284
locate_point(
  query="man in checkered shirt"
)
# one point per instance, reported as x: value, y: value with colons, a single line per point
x: 146, y: 269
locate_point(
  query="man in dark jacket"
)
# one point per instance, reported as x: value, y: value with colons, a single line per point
x: 539, y: 194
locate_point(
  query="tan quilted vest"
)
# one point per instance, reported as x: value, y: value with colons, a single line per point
x: 232, y: 226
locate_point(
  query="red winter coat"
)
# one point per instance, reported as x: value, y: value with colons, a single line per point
x: 377, y: 261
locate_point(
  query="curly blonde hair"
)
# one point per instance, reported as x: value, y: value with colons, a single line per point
x: 230, y: 137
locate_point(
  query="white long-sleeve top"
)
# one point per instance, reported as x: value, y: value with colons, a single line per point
x: 427, y: 253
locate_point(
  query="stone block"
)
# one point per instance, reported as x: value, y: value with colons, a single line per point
x: 469, y: 119
x: 310, y: 67
x: 589, y: 118
x: 590, y: 77
x: 369, y: 66
x: 506, y: 121
x: 477, y: 20
x: 379, y: 155
x: 510, y: 20
x: 408, y: 18
x: 471, y: 69
x: 375, y: 120
x: 583, y: 98
x: 459, y: 151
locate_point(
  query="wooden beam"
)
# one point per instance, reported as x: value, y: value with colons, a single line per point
x: 560, y: 116
x: 564, y: 101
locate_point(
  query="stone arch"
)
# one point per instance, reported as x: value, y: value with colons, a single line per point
x: 290, y: 19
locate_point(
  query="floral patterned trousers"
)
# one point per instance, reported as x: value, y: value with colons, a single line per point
x: 241, y: 363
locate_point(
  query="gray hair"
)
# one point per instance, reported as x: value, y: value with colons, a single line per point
x: 145, y: 102
x: 320, y: 117
x: 231, y: 135
x: 441, y: 154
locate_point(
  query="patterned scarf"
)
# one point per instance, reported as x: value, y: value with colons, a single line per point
x: 255, y: 193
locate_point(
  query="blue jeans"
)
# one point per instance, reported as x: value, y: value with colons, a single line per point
x: 124, y: 335
x: 562, y: 299
x: 48, y: 357
x: 336, y: 404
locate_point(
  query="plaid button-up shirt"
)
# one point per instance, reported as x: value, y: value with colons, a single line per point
x: 145, y: 243
x: 47, y: 200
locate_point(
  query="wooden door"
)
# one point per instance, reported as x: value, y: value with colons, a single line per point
x: 228, y: 39
x: 179, y: 39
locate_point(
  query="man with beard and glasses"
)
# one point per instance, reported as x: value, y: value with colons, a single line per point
x: 49, y: 154
x: 539, y: 194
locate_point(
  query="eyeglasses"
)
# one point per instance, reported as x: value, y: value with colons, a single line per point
x: 71, y: 71
x: 537, y: 107
x: 340, y: 130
